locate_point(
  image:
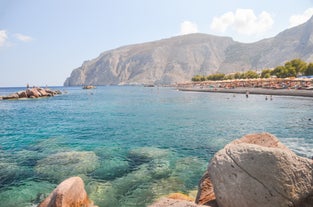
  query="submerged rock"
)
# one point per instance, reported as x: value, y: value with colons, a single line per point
x: 129, y: 190
x: 64, y: 164
x: 189, y: 170
x: 257, y: 170
x: 111, y: 168
x: 146, y: 154
x: 26, y: 194
x: 70, y: 193
x: 112, y: 163
x: 159, y: 168
x: 166, y: 186
x: 102, y: 193
x: 8, y: 173
x: 11, y: 173
x: 51, y: 145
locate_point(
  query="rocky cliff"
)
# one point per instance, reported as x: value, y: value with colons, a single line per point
x: 177, y: 59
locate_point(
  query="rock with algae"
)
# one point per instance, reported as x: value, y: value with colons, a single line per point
x: 61, y: 165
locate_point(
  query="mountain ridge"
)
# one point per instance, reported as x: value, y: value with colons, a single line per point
x: 177, y: 59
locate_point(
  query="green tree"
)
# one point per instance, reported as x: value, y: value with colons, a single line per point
x: 238, y: 75
x: 284, y: 72
x: 299, y: 65
x: 216, y: 76
x: 197, y: 78
x: 266, y: 73
x: 230, y: 77
x: 290, y: 70
x: 309, y: 70
x: 278, y: 71
x: 251, y: 74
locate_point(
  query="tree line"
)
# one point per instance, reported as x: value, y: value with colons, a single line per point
x: 293, y: 68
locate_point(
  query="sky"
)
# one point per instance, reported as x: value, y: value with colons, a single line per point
x: 42, y: 41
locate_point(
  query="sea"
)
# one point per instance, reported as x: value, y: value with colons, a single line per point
x: 132, y: 144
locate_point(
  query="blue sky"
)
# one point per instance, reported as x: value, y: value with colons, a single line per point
x: 42, y: 41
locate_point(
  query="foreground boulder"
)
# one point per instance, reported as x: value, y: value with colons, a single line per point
x: 70, y: 193
x: 257, y: 170
x: 206, y: 194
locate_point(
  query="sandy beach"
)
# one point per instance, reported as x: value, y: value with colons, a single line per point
x: 261, y: 91
x: 269, y: 86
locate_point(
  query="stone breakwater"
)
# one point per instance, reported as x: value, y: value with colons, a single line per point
x: 256, y: 170
x: 32, y: 93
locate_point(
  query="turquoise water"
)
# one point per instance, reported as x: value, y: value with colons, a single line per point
x: 132, y: 144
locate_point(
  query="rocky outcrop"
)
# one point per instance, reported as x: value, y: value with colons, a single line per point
x: 32, y: 93
x: 257, y: 170
x: 70, y: 193
x: 178, y: 59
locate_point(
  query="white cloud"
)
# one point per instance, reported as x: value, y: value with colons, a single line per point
x: 3, y: 37
x: 188, y: 27
x: 23, y: 38
x: 243, y: 21
x: 220, y: 24
x: 297, y: 19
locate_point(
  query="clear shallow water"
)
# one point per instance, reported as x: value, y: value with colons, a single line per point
x: 132, y: 144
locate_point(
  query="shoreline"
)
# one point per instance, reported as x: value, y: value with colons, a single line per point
x: 257, y: 91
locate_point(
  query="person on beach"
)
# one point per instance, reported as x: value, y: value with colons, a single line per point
x: 265, y: 98
x: 247, y: 93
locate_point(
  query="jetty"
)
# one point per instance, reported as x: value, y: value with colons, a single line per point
x: 31, y: 93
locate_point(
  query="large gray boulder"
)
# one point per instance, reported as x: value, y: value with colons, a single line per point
x: 257, y: 170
